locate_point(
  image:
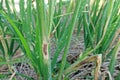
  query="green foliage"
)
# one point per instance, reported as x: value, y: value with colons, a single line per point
x: 33, y: 27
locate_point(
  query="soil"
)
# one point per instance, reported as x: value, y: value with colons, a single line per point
x: 84, y: 73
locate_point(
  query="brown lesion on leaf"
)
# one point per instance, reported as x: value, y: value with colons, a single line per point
x: 45, y: 49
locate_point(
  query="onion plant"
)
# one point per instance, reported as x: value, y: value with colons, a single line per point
x: 101, y: 28
x: 39, y: 26
x: 36, y: 25
x: 8, y: 44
